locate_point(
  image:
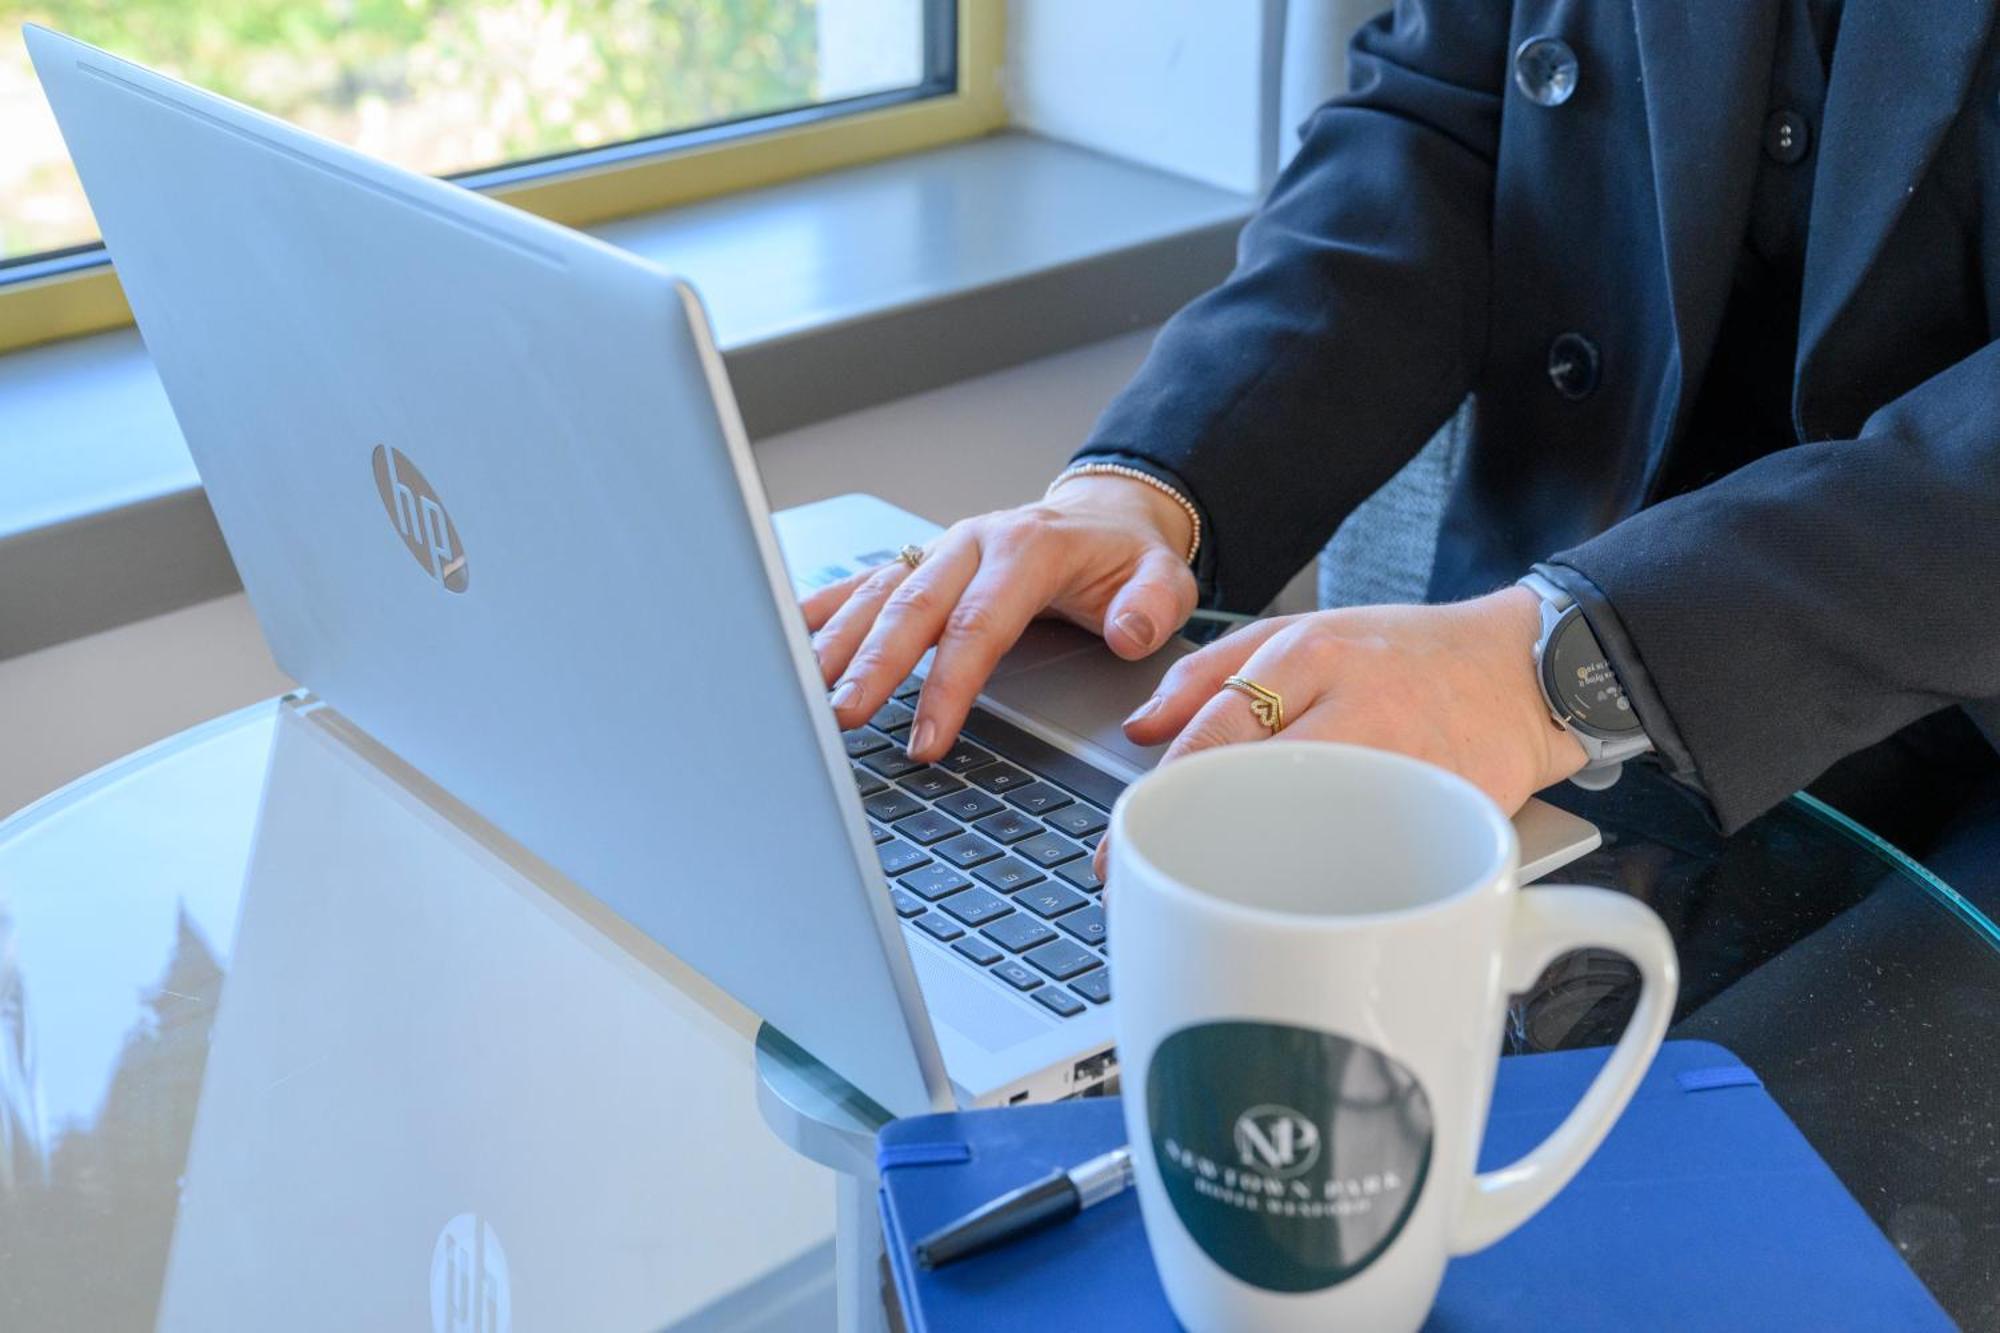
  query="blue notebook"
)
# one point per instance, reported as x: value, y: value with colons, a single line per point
x: 1704, y: 1209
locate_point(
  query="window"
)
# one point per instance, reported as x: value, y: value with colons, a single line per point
x: 577, y: 109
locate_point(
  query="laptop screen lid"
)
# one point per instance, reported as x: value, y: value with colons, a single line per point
x: 486, y: 488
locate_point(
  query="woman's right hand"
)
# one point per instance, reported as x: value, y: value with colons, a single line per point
x: 1103, y: 552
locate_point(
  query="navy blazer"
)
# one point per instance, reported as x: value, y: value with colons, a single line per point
x: 1440, y: 234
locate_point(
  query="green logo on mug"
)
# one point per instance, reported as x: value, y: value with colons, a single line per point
x: 1293, y: 1157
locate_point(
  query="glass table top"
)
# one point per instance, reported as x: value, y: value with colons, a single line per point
x: 285, y: 1044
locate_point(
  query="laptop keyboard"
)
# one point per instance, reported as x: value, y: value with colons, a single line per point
x: 989, y: 851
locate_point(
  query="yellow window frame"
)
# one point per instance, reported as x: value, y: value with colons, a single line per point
x: 65, y: 305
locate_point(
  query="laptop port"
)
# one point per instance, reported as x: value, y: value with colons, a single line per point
x: 1018, y: 1098
x: 1093, y: 1068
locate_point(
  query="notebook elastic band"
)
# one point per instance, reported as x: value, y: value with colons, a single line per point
x: 941, y: 1152
x: 1719, y: 1076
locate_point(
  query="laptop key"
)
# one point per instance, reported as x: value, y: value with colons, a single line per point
x: 940, y: 927
x: 975, y: 907
x: 968, y: 804
x: 891, y: 716
x: 1063, y: 959
x: 1017, y: 974
x: 863, y: 740
x: 878, y: 833
x: 1047, y: 849
x: 1038, y: 798
x: 933, y: 882
x: 898, y: 856
x: 1050, y: 899
x: 1008, y: 826
x: 867, y: 782
x: 1018, y: 932
x: 1077, y: 820
x: 907, y: 903
x: 891, y: 763
x: 978, y: 950
x: 1092, y: 841
x: 966, y: 851
x: 1087, y: 925
x: 909, y: 688
x: 964, y: 757
x: 1082, y: 874
x: 928, y: 826
x: 1060, y: 1001
x: 930, y: 783
x: 1008, y: 874
x: 1000, y: 777
x: 1094, y: 986
x: 890, y: 806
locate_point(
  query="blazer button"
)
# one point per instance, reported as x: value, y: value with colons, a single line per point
x: 1573, y: 366
x: 1545, y: 69
x: 1787, y: 138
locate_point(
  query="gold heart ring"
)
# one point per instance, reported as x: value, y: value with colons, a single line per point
x: 1267, y: 706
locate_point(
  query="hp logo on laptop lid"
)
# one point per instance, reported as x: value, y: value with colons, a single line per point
x: 420, y: 518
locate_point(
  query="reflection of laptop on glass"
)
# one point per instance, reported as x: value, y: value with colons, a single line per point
x: 487, y: 488
x: 445, y: 1091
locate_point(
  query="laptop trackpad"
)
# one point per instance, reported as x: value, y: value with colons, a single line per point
x: 959, y: 998
x: 1067, y: 679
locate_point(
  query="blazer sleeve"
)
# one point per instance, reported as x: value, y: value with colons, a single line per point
x: 1355, y: 318
x: 1812, y: 602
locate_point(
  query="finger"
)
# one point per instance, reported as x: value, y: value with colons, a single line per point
x: 1193, y: 680
x: 1293, y: 664
x: 843, y: 632
x: 991, y: 613
x: 907, y: 625
x: 821, y: 605
x: 1154, y: 603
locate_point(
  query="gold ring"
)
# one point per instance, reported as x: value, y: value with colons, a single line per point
x: 1267, y: 706
x: 911, y: 556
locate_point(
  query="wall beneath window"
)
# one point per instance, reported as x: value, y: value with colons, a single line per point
x: 67, y: 710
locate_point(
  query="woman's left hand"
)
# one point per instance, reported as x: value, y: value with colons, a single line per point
x: 1453, y: 684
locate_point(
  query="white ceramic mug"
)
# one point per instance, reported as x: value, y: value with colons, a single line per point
x: 1312, y: 950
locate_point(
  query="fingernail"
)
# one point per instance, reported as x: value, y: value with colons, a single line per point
x: 1137, y: 626
x: 848, y: 695
x: 1144, y: 710
x: 920, y: 737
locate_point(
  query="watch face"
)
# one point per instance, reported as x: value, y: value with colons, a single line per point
x: 1581, y: 682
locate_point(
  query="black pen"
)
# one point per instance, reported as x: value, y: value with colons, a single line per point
x: 1056, y: 1197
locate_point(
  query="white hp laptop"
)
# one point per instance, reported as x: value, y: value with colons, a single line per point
x: 488, y: 491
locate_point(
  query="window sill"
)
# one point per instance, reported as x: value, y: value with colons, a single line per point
x: 829, y: 294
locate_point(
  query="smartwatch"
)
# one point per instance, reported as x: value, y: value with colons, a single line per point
x: 1581, y: 690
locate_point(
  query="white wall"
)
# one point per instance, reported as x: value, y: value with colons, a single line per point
x: 1184, y: 85
x: 1210, y: 89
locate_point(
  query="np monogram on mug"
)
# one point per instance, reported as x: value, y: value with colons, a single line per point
x: 1316, y: 944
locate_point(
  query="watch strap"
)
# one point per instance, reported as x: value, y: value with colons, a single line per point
x: 1605, y: 756
x: 1546, y: 588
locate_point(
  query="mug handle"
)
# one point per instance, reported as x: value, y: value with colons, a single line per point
x: 1548, y: 922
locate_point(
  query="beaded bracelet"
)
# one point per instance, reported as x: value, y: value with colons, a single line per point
x: 1145, y: 478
